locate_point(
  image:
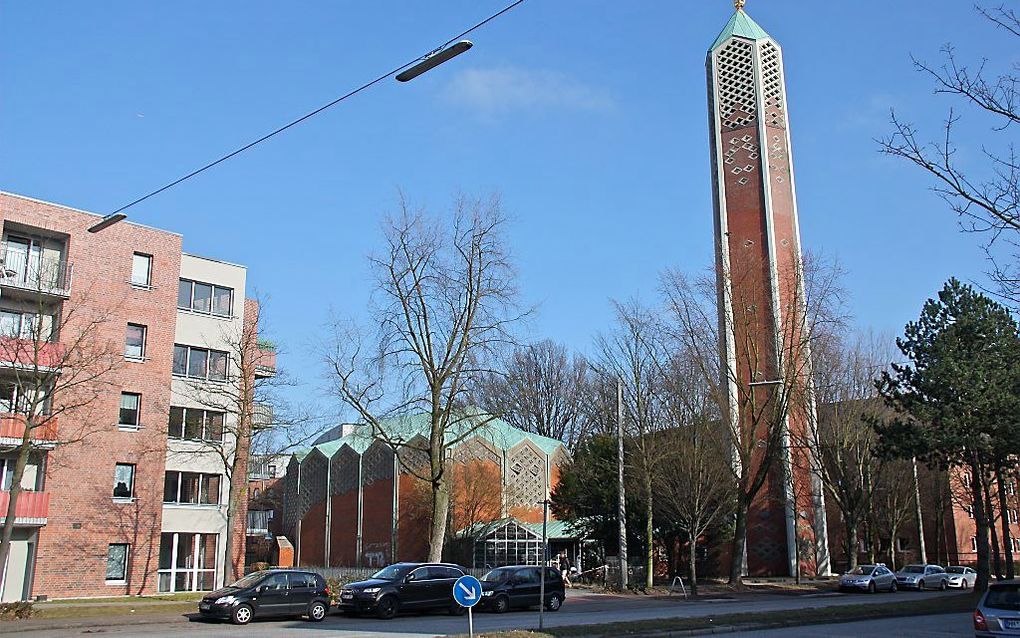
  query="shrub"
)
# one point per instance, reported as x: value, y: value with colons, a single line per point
x: 334, y: 585
x: 16, y: 610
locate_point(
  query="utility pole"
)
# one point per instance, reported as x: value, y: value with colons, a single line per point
x: 917, y: 508
x: 545, y: 564
x: 621, y: 512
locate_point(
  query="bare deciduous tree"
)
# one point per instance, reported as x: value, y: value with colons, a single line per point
x: 57, y: 363
x: 846, y: 443
x: 985, y: 197
x: 634, y: 354
x: 694, y: 487
x: 445, y: 308
x: 767, y: 381
x: 541, y: 389
x: 254, y: 418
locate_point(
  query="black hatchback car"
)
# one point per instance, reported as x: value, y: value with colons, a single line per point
x: 519, y: 586
x: 403, y: 586
x: 275, y: 592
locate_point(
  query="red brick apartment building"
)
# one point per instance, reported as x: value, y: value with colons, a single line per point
x: 124, y: 495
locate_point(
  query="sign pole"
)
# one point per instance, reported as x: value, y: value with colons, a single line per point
x: 471, y: 624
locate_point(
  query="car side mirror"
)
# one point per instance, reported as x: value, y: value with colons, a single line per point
x: 409, y: 578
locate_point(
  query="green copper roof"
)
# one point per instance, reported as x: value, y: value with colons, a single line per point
x: 498, y: 433
x: 741, y: 25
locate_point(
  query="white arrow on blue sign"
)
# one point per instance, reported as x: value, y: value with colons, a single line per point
x: 467, y: 591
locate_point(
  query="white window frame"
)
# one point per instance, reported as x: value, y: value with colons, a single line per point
x: 202, y: 480
x: 212, y: 299
x: 147, y: 284
x: 127, y: 563
x: 131, y: 488
x: 194, y: 569
x: 130, y: 427
x: 145, y: 338
x: 208, y: 361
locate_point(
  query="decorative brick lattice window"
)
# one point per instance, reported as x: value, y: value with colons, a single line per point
x: 735, y: 70
x: 772, y: 86
x: 343, y: 475
x: 526, y: 477
x: 376, y: 463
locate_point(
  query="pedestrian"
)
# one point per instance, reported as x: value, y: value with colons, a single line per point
x: 565, y: 569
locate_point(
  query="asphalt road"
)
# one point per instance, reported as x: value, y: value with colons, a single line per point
x: 577, y: 610
x: 938, y: 626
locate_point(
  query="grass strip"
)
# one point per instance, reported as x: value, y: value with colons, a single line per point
x: 781, y: 618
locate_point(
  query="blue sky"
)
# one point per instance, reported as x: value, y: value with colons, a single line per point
x: 589, y: 117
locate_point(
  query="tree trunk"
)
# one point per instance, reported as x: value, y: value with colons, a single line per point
x: 917, y: 513
x: 649, y: 533
x: 440, y: 507
x: 892, y: 544
x: 1007, y: 538
x: 739, y: 543
x: 981, y: 521
x: 852, y: 542
x: 990, y: 513
x: 24, y: 450
x: 692, y: 563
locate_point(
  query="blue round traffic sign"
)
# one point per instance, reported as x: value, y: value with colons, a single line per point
x: 467, y: 591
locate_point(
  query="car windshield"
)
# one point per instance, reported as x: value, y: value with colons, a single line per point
x: 954, y: 570
x: 863, y: 570
x: 248, y: 580
x: 393, y: 572
x: 913, y: 569
x: 1003, y: 597
x: 498, y: 576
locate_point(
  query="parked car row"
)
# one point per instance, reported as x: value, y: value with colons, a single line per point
x: 873, y: 578
x: 419, y: 587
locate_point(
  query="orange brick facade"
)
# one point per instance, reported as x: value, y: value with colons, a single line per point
x: 83, y: 518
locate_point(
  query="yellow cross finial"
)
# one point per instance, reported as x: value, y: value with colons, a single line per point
x: 739, y: 4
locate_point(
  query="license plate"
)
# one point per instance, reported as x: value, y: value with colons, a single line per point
x: 204, y: 606
x: 1011, y: 624
x: 346, y: 596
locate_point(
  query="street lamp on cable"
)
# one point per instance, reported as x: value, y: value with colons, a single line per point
x: 433, y: 60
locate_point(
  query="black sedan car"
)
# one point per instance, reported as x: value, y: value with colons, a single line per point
x: 275, y: 592
x: 403, y: 586
x: 520, y: 586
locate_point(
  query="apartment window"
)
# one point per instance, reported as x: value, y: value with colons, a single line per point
x: 1010, y: 487
x: 124, y: 480
x: 187, y: 561
x: 205, y: 298
x: 134, y: 346
x: 130, y: 407
x: 272, y: 471
x: 966, y: 479
x: 200, y: 363
x: 116, y: 562
x: 141, y: 270
x: 17, y: 399
x: 1011, y: 514
x: 973, y: 543
x: 26, y: 325
x: 191, y: 488
x: 196, y: 424
x: 970, y: 510
x: 1016, y: 544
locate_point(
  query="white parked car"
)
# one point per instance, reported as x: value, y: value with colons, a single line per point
x: 961, y: 577
x: 869, y: 578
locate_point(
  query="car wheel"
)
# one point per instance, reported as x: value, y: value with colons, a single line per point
x: 502, y: 605
x: 241, y: 615
x: 871, y: 587
x: 317, y: 611
x: 920, y: 585
x: 387, y: 607
x: 892, y: 587
x: 554, y: 603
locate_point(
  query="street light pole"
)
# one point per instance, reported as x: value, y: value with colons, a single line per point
x: 621, y: 510
x: 545, y: 563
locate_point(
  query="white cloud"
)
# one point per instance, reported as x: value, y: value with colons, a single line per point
x: 498, y: 90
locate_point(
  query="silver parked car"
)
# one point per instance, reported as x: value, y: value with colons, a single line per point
x: 921, y: 577
x: 869, y: 578
x: 961, y: 577
x: 998, y: 613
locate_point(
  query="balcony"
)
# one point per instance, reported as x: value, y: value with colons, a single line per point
x: 12, y: 431
x: 33, y: 508
x: 265, y: 361
x: 29, y: 273
x: 27, y: 354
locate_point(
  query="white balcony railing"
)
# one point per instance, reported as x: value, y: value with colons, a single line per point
x: 33, y: 271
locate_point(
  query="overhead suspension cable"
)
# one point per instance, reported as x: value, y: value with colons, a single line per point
x: 315, y: 112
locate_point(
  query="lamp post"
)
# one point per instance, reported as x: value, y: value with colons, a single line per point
x: 545, y: 563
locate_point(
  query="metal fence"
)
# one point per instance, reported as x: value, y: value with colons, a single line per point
x: 353, y: 574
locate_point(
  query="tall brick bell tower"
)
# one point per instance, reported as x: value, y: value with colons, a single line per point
x: 758, y: 257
